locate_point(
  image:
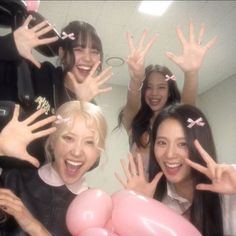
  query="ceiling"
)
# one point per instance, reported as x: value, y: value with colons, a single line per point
x: 112, y: 19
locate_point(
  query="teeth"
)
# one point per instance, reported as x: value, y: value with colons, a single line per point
x: 155, y: 100
x: 172, y: 165
x: 73, y: 163
x: 84, y: 67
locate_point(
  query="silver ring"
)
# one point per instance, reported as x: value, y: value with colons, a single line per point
x: 134, y: 174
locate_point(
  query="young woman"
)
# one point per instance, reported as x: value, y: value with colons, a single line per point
x: 36, y: 200
x: 184, y: 173
x: 153, y: 88
x: 80, y: 75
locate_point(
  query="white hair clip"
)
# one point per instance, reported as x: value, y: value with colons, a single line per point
x: 70, y: 36
x: 60, y: 120
x: 170, y: 77
x: 198, y: 122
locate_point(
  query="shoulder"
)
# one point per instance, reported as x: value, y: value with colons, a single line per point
x: 12, y: 177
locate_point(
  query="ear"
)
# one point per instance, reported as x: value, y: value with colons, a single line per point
x: 61, y: 52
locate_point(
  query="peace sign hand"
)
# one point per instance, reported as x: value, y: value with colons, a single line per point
x: 223, y: 176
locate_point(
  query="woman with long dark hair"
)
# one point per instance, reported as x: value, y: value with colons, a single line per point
x: 153, y: 88
x: 184, y: 174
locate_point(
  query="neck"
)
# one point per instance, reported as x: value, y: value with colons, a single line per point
x: 185, y: 189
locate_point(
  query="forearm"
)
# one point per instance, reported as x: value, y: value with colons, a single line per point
x: 190, y: 88
x: 133, y: 103
x: 37, y: 229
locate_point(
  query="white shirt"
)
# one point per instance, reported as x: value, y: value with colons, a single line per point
x: 182, y: 206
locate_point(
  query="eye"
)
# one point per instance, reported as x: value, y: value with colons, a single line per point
x: 89, y: 142
x: 182, y: 144
x: 95, y: 51
x: 162, y: 87
x: 160, y: 142
x: 68, y: 138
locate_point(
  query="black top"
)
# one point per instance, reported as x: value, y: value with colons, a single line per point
x: 46, y: 203
x: 47, y: 84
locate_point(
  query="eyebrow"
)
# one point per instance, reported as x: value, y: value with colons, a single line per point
x: 163, y: 137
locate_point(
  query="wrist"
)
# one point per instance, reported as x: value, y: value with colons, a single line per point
x: 38, y: 229
x: 192, y: 73
x: 135, y: 87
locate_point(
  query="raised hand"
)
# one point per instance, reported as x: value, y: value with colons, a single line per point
x: 135, y: 176
x: 16, y: 135
x: 223, y: 176
x: 193, y: 50
x: 26, y: 39
x: 91, y: 86
x: 13, y: 206
x: 137, y: 56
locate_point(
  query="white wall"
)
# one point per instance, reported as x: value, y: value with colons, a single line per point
x: 117, y: 143
x: 219, y: 105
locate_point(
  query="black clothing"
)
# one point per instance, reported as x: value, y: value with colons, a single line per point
x: 48, y: 87
x: 46, y: 203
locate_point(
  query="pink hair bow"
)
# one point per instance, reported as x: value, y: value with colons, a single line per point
x: 70, y: 36
x: 198, y: 122
x: 170, y: 77
x: 60, y: 120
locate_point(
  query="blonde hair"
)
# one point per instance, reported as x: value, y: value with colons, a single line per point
x: 68, y: 112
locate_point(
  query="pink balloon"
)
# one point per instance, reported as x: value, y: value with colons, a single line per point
x: 32, y: 5
x: 138, y: 215
x: 91, y: 208
x: 97, y: 232
x: 119, y: 196
x: 109, y: 226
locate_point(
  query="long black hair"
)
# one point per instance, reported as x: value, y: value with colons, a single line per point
x: 205, y: 211
x: 141, y: 122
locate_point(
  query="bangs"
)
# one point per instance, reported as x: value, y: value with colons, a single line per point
x: 88, y: 39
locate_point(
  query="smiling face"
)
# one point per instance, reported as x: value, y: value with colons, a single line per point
x: 171, y: 150
x: 156, y: 93
x: 75, y: 151
x: 85, y: 59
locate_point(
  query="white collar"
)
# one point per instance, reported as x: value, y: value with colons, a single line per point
x: 52, y: 178
x: 171, y: 192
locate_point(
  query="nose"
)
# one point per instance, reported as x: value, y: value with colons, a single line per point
x: 87, y: 55
x: 154, y: 91
x: 76, y: 149
x: 170, y: 151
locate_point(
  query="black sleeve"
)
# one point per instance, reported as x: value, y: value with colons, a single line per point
x: 8, y: 50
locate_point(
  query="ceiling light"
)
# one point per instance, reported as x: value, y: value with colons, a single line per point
x: 115, y: 61
x: 156, y: 8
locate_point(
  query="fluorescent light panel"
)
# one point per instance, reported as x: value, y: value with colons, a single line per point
x: 156, y: 8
